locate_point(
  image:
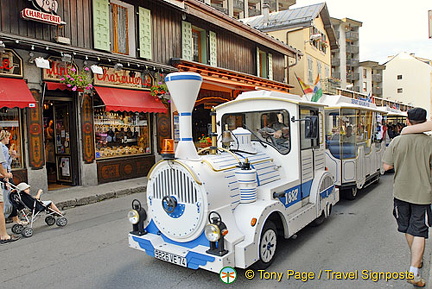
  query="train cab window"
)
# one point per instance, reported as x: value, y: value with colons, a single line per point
x: 271, y: 127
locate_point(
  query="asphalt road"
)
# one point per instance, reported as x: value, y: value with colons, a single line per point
x: 92, y: 252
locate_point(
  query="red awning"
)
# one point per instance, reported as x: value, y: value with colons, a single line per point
x: 15, y: 93
x: 56, y: 85
x: 118, y: 99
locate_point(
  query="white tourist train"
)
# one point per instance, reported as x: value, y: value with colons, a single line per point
x: 227, y: 204
x: 353, y: 150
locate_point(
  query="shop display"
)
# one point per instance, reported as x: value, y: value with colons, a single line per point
x: 10, y: 121
x: 121, y: 134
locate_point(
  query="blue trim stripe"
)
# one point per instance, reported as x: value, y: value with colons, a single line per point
x: 183, y: 77
x: 186, y: 139
x: 185, y: 114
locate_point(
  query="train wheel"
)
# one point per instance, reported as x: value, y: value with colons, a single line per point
x: 351, y: 194
x: 267, y: 246
x: 318, y: 221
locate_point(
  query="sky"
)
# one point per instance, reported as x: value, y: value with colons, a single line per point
x: 389, y: 26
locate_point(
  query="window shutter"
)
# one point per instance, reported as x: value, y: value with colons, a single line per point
x: 145, y: 33
x: 258, y: 63
x: 270, y: 66
x: 213, y: 48
x: 101, y: 25
x: 187, y: 46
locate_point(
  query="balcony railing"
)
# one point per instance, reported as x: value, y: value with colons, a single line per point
x: 253, y: 11
x: 377, y: 77
x: 352, y: 62
x: 220, y: 8
x: 377, y: 90
x: 335, y: 62
x: 351, y: 35
x: 238, y: 5
x: 353, y: 76
x: 352, y: 49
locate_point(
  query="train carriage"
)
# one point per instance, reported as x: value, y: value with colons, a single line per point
x: 353, y: 151
x: 227, y: 204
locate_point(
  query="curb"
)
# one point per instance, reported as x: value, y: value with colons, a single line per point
x: 67, y: 204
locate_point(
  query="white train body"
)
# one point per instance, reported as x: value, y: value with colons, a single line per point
x: 283, y: 189
x: 357, y: 161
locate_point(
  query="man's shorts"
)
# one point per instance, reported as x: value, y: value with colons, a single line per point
x: 413, y: 219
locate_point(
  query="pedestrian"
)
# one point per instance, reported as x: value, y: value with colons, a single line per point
x: 4, y: 236
x: 411, y: 157
x: 8, y: 153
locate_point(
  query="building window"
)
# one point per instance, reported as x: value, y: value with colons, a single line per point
x: 122, y: 28
x: 262, y: 56
x: 310, y: 70
x: 364, y: 73
x: 199, y: 45
x: 399, y: 90
x: 10, y: 121
x: 365, y: 86
x: 319, y: 68
x: 399, y: 76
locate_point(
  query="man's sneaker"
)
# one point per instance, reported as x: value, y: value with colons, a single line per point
x: 417, y: 281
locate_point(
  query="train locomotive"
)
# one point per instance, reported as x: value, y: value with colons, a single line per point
x: 226, y: 205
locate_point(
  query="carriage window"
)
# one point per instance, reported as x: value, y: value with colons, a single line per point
x: 271, y: 127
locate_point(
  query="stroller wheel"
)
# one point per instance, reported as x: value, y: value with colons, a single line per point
x: 61, y: 222
x: 17, y: 228
x: 27, y: 232
x: 50, y: 220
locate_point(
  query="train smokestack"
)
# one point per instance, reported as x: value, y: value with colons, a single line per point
x: 184, y: 88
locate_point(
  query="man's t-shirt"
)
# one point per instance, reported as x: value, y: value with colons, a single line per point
x: 411, y: 157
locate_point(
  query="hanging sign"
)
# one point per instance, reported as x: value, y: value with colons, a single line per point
x: 58, y: 69
x: 10, y: 63
x: 46, y: 12
x: 123, y: 78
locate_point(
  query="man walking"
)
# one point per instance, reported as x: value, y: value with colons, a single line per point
x: 411, y: 157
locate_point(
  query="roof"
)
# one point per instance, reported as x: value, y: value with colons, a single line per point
x: 291, y: 18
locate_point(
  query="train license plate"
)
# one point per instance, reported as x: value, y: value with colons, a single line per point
x: 171, y: 258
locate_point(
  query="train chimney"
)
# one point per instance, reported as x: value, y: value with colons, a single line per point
x: 184, y: 88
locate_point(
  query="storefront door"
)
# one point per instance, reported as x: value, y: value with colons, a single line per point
x: 60, y: 144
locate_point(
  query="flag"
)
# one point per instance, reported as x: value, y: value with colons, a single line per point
x: 306, y: 88
x: 369, y: 99
x: 317, y: 92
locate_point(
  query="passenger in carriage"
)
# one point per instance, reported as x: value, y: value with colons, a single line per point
x: 349, y: 137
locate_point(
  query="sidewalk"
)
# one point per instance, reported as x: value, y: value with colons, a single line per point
x: 79, y: 195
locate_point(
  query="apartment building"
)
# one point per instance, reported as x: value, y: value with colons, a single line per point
x: 371, y: 78
x: 408, y: 79
x: 307, y: 29
x: 345, y: 59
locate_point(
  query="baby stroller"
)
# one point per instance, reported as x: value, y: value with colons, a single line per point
x: 30, y: 209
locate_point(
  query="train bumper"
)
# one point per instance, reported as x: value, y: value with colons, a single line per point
x: 192, y: 257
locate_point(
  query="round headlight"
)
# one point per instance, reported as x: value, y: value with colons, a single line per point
x: 212, y: 232
x: 133, y: 216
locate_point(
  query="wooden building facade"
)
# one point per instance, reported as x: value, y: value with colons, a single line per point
x: 110, y: 131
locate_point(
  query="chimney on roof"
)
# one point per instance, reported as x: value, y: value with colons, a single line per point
x: 266, y: 13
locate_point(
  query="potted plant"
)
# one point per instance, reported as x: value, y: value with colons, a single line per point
x: 204, y: 141
x: 78, y: 81
x: 160, y: 92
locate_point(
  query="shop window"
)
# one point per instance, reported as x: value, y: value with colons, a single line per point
x: 10, y: 121
x: 120, y: 134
